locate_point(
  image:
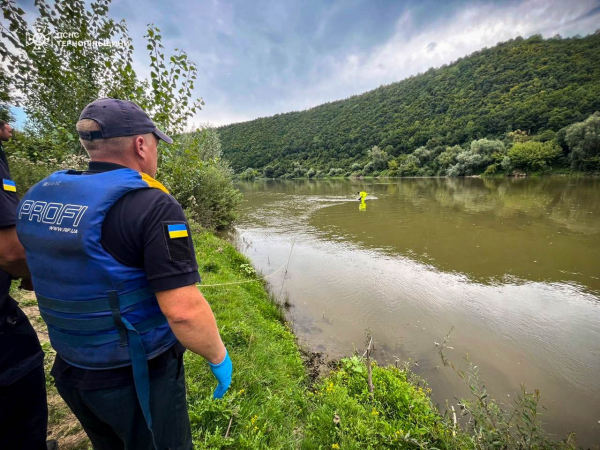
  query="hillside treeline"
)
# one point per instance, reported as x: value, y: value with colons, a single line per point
x: 511, y: 92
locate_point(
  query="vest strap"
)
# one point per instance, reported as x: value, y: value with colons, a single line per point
x: 95, y: 305
x: 115, y: 309
x: 72, y: 324
x: 141, y: 375
x: 92, y: 340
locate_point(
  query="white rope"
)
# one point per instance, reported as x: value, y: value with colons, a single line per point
x: 242, y: 282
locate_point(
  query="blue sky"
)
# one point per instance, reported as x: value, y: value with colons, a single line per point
x: 259, y: 58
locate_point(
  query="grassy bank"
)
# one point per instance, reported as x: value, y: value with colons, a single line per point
x: 275, y: 401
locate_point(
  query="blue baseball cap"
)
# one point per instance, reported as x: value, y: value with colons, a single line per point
x: 118, y: 118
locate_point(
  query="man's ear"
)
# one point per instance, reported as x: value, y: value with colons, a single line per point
x: 140, y: 147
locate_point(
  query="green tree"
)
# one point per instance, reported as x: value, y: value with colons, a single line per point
x: 448, y: 158
x: 5, y: 97
x: 532, y: 156
x: 85, y: 55
x: 409, y: 166
x: 487, y: 147
x: 378, y: 157
x: 56, y: 80
x: 269, y: 171
x: 583, y: 139
x: 518, y: 136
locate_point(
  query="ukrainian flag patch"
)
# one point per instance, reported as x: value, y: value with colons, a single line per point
x: 178, y: 230
x: 10, y: 186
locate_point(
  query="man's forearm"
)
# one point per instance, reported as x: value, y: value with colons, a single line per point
x: 199, y: 333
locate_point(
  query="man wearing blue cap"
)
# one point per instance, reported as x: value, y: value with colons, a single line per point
x: 114, y: 271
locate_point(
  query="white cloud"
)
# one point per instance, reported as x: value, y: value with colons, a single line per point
x: 411, y: 51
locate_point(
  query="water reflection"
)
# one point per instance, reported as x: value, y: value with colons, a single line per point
x: 538, y: 230
x: 510, y: 264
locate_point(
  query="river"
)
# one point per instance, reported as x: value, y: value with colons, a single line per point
x: 511, y: 266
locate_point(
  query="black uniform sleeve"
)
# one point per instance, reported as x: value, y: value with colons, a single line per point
x: 147, y: 228
x: 8, y: 199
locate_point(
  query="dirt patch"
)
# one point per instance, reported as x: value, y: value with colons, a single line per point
x: 317, y: 365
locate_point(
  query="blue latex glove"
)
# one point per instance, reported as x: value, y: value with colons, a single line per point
x: 222, y: 373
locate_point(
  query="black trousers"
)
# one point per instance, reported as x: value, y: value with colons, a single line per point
x: 24, y: 412
x: 113, y: 419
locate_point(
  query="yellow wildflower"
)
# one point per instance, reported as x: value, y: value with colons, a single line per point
x: 335, y: 446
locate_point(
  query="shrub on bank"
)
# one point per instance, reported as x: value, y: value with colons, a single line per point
x: 193, y: 171
x: 399, y: 414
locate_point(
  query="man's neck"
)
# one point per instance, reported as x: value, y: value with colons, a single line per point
x: 121, y: 162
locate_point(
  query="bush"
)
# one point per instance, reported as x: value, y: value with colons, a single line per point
x: 26, y: 173
x: 33, y: 157
x: 532, y: 155
x: 378, y: 157
x: 486, y: 147
x: 249, y: 174
x: 201, y: 182
x: 269, y: 171
x: 583, y: 139
x: 204, y: 190
x: 399, y: 414
x: 409, y: 166
x: 447, y: 158
x: 491, y: 169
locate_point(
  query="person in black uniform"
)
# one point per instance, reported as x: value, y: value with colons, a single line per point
x: 118, y: 135
x: 23, y: 405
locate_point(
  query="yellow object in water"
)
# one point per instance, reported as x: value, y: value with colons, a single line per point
x: 363, y: 205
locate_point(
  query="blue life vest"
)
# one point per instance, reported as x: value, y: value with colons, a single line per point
x: 100, y: 313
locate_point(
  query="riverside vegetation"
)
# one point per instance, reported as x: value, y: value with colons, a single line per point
x: 274, y: 401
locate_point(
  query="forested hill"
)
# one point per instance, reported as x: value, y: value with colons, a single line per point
x: 532, y: 84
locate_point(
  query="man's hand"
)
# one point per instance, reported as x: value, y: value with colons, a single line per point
x: 12, y: 254
x: 222, y: 373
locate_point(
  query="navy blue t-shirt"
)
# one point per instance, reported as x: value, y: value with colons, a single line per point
x: 20, y: 349
x: 133, y: 233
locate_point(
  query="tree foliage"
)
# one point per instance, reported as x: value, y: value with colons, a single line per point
x: 535, y: 86
x: 583, y: 139
x: 532, y: 156
x: 82, y: 54
x: 71, y: 61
